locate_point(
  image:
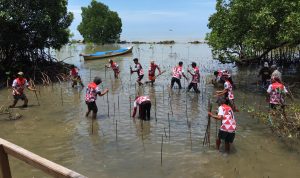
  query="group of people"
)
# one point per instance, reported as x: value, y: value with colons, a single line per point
x: 226, y: 109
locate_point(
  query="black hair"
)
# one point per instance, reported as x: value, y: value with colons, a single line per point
x: 97, y: 80
x: 180, y: 63
x: 216, y: 73
x: 194, y: 64
x: 221, y: 100
x: 135, y: 59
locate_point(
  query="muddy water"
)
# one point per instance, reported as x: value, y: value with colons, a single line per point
x: 115, y: 145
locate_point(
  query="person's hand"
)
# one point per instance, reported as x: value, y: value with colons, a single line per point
x: 209, y: 114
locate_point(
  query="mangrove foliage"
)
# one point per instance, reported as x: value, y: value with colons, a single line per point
x: 247, y: 31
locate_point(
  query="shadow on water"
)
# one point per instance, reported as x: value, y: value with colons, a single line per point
x: 121, y: 146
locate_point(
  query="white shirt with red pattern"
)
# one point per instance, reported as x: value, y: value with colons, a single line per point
x: 195, y: 75
x: 139, y: 69
x: 19, y: 85
x: 140, y: 100
x: 91, y: 92
x: 178, y: 72
x: 228, y: 87
x: 277, y: 91
x: 228, y: 120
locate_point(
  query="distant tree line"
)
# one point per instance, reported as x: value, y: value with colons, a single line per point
x: 255, y: 30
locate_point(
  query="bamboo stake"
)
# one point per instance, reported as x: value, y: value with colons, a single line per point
x: 169, y: 126
x: 155, y: 109
x: 90, y: 74
x: 163, y: 94
x: 116, y: 129
x: 165, y: 132
x: 92, y: 126
x: 107, y: 104
x: 161, y: 149
x: 61, y: 97
x: 129, y: 106
x: 37, y: 98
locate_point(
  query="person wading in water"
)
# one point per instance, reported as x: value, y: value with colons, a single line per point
x: 151, y: 72
x: 18, y: 87
x: 228, y: 94
x: 91, y: 96
x: 139, y: 70
x: 114, y: 66
x: 178, y: 72
x: 277, y: 91
x: 228, y: 127
x: 75, y: 76
x: 195, y: 78
x: 144, y: 104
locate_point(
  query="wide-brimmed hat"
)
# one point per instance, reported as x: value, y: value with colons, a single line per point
x: 20, y: 73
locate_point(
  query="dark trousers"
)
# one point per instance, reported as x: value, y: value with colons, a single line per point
x: 145, y: 108
x: 194, y: 86
x: 177, y: 81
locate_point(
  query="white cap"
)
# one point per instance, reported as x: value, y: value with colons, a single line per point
x: 20, y: 73
x: 266, y: 64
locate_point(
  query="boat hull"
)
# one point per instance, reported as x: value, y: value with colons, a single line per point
x: 109, y: 54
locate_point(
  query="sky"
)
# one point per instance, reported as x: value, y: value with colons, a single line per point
x: 154, y: 20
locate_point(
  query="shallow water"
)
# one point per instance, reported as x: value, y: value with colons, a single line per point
x: 115, y: 145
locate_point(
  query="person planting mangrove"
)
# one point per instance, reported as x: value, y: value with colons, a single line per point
x: 151, y: 72
x: 139, y: 70
x: 75, y: 76
x: 195, y: 78
x: 265, y: 74
x: 18, y: 87
x: 276, y: 91
x: 228, y: 126
x: 114, y: 66
x: 178, y: 72
x: 91, y: 96
x: 144, y: 104
x: 227, y: 92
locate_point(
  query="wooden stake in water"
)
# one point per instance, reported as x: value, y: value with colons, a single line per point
x: 90, y: 74
x: 92, y: 125
x: 130, y: 106
x: 169, y: 126
x: 155, y: 109
x: 61, y: 96
x: 116, y: 129
x: 107, y: 104
x: 163, y: 94
x: 118, y: 102
x: 114, y: 110
x: 161, y: 149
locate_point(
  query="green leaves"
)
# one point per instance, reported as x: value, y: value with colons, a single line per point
x: 242, y: 29
x: 34, y: 24
x: 99, y: 24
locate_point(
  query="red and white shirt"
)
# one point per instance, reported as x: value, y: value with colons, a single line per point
x: 19, y: 85
x: 228, y: 121
x: 114, y: 67
x: 228, y: 87
x: 91, y: 92
x: 177, y: 72
x: 74, y: 72
x: 196, y: 75
x: 139, y: 100
x: 139, y: 69
x: 276, y: 91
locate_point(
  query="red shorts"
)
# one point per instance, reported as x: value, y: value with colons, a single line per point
x: 151, y: 78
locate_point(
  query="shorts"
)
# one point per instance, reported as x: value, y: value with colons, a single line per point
x: 22, y: 97
x: 140, y: 77
x: 151, y: 78
x: 227, y: 136
x: 276, y: 106
x: 92, y: 106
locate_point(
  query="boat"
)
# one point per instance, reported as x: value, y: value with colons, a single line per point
x: 105, y: 54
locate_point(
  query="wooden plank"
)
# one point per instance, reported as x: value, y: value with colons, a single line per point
x: 4, y: 164
x: 38, y: 162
